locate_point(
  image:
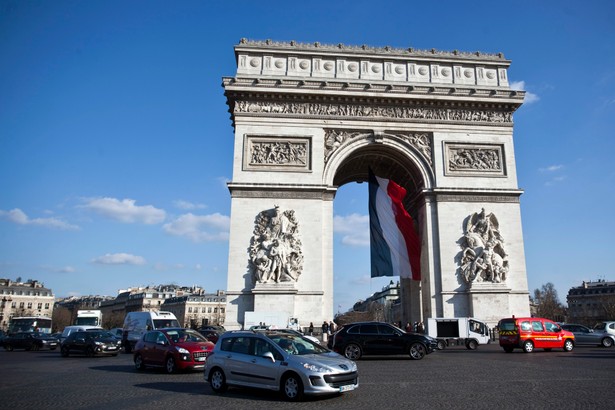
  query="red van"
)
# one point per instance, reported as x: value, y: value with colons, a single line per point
x: 529, y: 333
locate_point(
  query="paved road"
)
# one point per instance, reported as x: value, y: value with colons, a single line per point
x: 450, y: 379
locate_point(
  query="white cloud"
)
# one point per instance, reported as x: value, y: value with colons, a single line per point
x: 125, y: 210
x: 355, y: 227
x: 66, y: 269
x: 529, y: 96
x: 551, y: 168
x: 119, y: 259
x: 200, y: 228
x: 188, y: 206
x: 19, y: 217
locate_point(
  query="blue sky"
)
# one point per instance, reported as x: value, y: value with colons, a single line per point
x: 116, y: 143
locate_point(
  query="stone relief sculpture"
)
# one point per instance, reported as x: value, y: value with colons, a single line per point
x: 372, y: 111
x: 275, y: 249
x: 335, y: 138
x: 483, y: 258
x: 278, y: 153
x: 474, y: 159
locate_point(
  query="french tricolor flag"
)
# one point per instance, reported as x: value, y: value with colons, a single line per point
x: 395, y: 245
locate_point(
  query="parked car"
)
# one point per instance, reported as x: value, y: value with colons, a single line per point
x: 210, y: 333
x: 607, y: 327
x: 588, y: 337
x: 174, y: 349
x: 355, y: 340
x: 529, y: 333
x: 91, y: 343
x: 278, y: 361
x: 30, y: 341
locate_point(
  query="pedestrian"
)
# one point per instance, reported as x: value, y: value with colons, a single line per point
x: 331, y: 327
x: 408, y: 327
x: 421, y: 328
x: 311, y: 329
x: 325, y: 331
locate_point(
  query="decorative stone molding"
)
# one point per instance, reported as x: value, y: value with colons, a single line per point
x: 373, y: 112
x: 275, y: 248
x: 483, y: 258
x: 277, y: 153
x: 479, y: 198
x: 474, y: 160
x: 422, y: 142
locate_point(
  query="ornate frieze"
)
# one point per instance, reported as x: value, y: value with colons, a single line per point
x: 373, y: 111
x: 273, y: 153
x: 483, y: 258
x: 275, y: 248
x: 475, y: 160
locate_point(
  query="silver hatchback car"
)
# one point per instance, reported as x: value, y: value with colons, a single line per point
x: 278, y: 361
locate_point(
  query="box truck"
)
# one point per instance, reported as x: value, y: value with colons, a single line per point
x: 466, y: 331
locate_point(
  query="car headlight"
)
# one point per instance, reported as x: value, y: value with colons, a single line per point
x: 315, y: 368
x: 182, y: 350
x: 98, y: 343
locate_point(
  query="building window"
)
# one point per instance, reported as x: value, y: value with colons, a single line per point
x: 14, y: 305
x: 209, y: 310
x: 203, y: 310
x: 215, y: 310
x: 21, y: 305
x: 190, y: 310
x: 46, y: 305
x: 40, y: 305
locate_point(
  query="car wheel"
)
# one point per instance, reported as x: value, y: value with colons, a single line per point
x: 292, y: 388
x: 89, y: 351
x: 471, y: 345
x: 217, y: 380
x: 170, y: 365
x: 607, y: 342
x: 568, y: 345
x: 8, y: 348
x: 528, y: 346
x: 64, y: 351
x: 508, y: 349
x: 353, y: 351
x: 417, y: 351
x: 441, y: 345
x: 139, y: 362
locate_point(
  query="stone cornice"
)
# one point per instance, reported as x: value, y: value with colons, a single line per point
x: 263, y: 190
x: 316, y: 47
x: 473, y: 195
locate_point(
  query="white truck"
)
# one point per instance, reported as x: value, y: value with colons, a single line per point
x: 273, y: 320
x: 468, y: 331
x: 137, y: 323
x: 88, y: 318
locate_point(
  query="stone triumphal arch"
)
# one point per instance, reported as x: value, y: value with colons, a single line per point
x: 309, y: 118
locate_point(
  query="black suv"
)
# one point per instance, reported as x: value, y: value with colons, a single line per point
x: 377, y: 338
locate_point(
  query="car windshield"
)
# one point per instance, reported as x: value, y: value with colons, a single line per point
x: 184, y: 335
x: 99, y: 334
x: 296, y: 345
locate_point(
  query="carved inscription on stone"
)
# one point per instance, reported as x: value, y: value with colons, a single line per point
x: 373, y: 111
x: 275, y: 248
x: 422, y: 142
x: 469, y: 159
x: 483, y: 258
x: 277, y: 153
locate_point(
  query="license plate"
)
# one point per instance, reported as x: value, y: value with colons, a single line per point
x: 111, y: 348
x: 199, y: 359
x: 346, y: 388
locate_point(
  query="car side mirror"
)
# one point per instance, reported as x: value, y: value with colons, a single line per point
x: 269, y: 356
x: 161, y: 343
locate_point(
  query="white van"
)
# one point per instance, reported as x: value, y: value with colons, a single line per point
x: 137, y: 323
x: 78, y: 328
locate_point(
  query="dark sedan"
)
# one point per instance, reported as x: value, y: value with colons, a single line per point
x: 30, y: 341
x: 355, y: 340
x: 584, y: 336
x: 91, y: 343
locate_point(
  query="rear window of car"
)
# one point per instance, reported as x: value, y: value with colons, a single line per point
x: 507, y: 325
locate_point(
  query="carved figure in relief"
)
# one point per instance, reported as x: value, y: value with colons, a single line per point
x: 483, y: 258
x: 275, y: 249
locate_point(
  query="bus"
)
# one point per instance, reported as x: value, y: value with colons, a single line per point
x: 40, y: 324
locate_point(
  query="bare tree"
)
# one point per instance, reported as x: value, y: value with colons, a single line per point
x: 548, y: 304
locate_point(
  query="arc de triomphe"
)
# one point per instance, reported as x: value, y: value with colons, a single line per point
x: 309, y: 118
